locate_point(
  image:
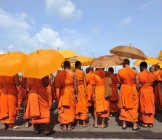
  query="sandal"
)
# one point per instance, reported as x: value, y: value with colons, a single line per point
x: 150, y: 125
x: 17, y: 127
x: 71, y: 128
x: 138, y: 127
x: 36, y: 129
x: 85, y: 125
x: 64, y: 129
x: 49, y: 132
x: 144, y: 125
x: 26, y: 125
x: 124, y: 127
x: 104, y: 126
x: 5, y: 126
x: 95, y: 126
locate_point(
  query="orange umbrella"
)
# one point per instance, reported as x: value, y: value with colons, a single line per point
x: 106, y: 61
x: 149, y: 61
x: 129, y: 52
x: 85, y: 60
x: 42, y: 63
x: 68, y: 53
x: 160, y: 56
x: 10, y: 63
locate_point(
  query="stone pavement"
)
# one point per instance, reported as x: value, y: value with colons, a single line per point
x: 113, y: 131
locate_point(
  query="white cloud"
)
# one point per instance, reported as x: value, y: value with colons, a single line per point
x: 16, y: 30
x: 126, y: 21
x: 64, y: 9
x: 47, y: 38
x: 17, y: 36
x: 1, y: 52
x: 146, y: 4
x: 9, y: 21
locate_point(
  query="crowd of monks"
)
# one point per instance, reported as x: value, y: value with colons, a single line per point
x: 131, y: 96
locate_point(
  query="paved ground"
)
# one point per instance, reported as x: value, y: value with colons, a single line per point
x: 113, y: 130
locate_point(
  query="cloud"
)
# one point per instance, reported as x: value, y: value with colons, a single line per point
x: 64, y: 9
x: 47, y: 38
x: 9, y: 21
x: 126, y: 21
x: 146, y: 4
x: 16, y: 32
x: 1, y: 52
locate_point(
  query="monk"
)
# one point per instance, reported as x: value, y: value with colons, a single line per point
x: 82, y: 104
x: 89, y: 75
x: 101, y: 103
x: 24, y: 97
x: 113, y: 102
x: 128, y: 97
x: 66, y: 89
x: 38, y: 108
x: 9, y: 100
x: 147, y: 107
x: 158, y: 88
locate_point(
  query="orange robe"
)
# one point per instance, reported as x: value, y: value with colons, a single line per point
x: 82, y: 104
x: 64, y: 84
x: 101, y: 105
x: 158, y: 90
x: 50, y: 90
x: 9, y: 100
x: 38, y: 108
x: 89, y: 88
x: 114, y: 99
x: 128, y: 96
x: 24, y: 90
x: 147, y: 107
x: 0, y: 101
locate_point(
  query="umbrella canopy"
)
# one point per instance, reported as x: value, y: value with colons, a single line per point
x: 85, y: 60
x: 129, y: 52
x: 10, y: 63
x: 149, y: 61
x: 42, y: 63
x: 68, y: 53
x: 106, y: 61
x: 160, y: 56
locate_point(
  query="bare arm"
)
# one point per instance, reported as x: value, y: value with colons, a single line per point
x: 93, y: 91
x: 137, y: 82
x: 57, y: 96
x: 75, y: 85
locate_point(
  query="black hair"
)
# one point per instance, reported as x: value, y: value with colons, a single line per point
x: 126, y: 61
x: 143, y: 65
x: 77, y: 64
x: 111, y: 69
x: 66, y: 64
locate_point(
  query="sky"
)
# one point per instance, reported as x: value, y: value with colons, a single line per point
x: 88, y: 27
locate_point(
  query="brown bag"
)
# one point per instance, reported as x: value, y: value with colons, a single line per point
x: 108, y: 88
